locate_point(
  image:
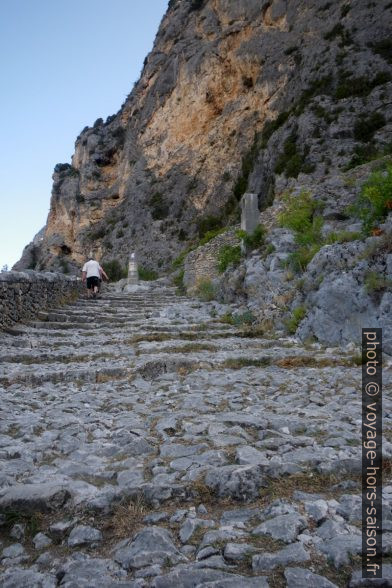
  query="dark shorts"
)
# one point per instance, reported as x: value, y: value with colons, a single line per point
x: 92, y: 282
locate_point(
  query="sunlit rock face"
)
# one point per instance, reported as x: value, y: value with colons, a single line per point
x: 179, y: 151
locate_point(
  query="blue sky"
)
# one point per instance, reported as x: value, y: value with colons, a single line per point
x: 63, y: 65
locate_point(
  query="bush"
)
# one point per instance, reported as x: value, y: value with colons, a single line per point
x: 366, y: 126
x: 270, y: 248
x: 160, y: 209
x: 62, y: 167
x: 301, y: 216
x: 207, y: 224
x: 375, y: 282
x: 247, y: 165
x: 362, y: 86
x: 119, y: 133
x: 146, y: 274
x: 271, y: 126
x: 255, y: 240
x: 318, y: 86
x: 338, y: 29
x: 241, y: 186
x: 299, y: 259
x: 97, y: 234
x: 196, y: 5
x: 228, y: 255
x: 380, y: 246
x: 209, y: 235
x: 343, y: 237
x: 178, y: 281
x: 115, y: 270
x: 232, y: 209
x: 245, y: 318
x: 182, y: 235
x: 384, y: 48
x: 297, y: 315
x: 206, y: 290
x: 227, y: 318
x: 291, y: 161
x: 375, y: 199
x: 64, y: 266
x: 179, y: 261
x: 365, y: 153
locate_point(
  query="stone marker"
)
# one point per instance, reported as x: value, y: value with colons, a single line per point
x: 133, y: 276
x: 250, y: 212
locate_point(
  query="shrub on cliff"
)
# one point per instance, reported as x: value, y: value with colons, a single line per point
x: 228, y: 255
x: 206, y: 290
x: 362, y: 86
x: 209, y: 235
x: 66, y: 167
x: 98, y: 233
x: 207, y: 224
x: 367, y: 152
x: 147, y: 274
x: 375, y: 282
x: 178, y: 281
x: 247, y: 165
x: 254, y: 240
x: 366, y: 126
x: 375, y: 199
x: 159, y: 208
x: 301, y: 216
x: 115, y: 270
x: 296, y: 317
x: 384, y: 48
x: 196, y: 5
x: 292, y: 161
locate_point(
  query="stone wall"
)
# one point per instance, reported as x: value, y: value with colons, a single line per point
x: 24, y: 294
x: 202, y: 263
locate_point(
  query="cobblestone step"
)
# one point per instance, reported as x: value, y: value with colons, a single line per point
x: 141, y: 423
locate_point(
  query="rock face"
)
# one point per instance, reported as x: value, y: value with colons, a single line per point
x: 182, y: 148
x: 346, y: 286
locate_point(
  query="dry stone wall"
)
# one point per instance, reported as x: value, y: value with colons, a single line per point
x: 24, y: 294
x: 202, y: 263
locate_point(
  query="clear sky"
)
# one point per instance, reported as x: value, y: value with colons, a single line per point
x: 63, y: 64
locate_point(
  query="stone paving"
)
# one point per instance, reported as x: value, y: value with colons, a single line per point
x: 146, y: 443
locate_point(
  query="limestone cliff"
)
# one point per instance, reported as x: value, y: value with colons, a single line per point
x: 197, y: 130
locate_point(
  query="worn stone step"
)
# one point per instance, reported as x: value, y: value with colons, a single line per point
x: 159, y: 406
x: 37, y: 377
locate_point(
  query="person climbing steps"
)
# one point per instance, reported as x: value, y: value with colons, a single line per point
x: 92, y: 274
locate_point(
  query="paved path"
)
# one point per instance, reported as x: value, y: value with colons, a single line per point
x: 144, y: 442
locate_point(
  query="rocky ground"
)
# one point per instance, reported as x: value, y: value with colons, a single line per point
x: 145, y: 443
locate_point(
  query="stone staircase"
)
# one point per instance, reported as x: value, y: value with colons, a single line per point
x: 146, y: 443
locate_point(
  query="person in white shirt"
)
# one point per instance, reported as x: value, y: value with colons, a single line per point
x: 92, y: 274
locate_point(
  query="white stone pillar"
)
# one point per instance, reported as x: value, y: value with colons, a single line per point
x: 133, y: 275
x: 250, y: 216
